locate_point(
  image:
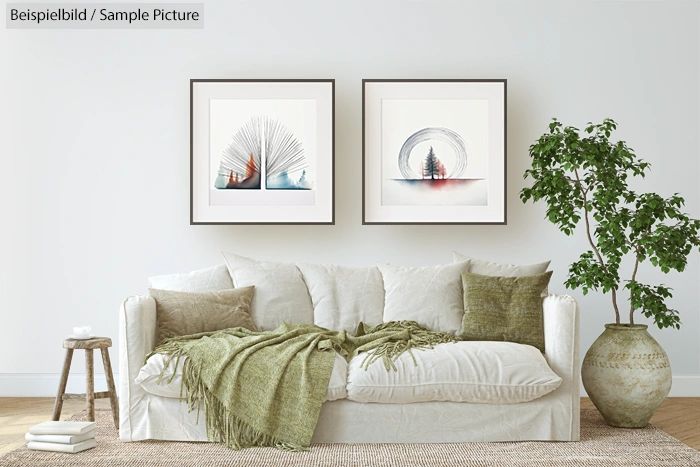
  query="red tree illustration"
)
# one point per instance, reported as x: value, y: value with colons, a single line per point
x: 250, y: 168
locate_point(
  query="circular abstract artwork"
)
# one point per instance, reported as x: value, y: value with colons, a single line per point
x: 433, y: 133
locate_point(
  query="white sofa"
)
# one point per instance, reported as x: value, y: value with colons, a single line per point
x: 347, y: 417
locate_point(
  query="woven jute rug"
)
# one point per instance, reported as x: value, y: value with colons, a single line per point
x: 600, y: 445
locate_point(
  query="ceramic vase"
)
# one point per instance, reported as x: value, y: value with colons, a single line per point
x: 627, y: 375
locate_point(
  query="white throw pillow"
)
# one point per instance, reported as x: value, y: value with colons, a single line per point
x: 212, y: 279
x: 473, y: 371
x: 431, y: 296
x: 489, y: 268
x: 343, y: 296
x: 150, y: 372
x: 280, y: 292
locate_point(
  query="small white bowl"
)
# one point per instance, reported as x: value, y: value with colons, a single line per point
x: 82, y: 332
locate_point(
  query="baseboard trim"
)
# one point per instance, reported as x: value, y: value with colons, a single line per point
x: 46, y: 384
x: 682, y: 386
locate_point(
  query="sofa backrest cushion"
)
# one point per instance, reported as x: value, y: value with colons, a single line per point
x: 344, y: 296
x: 489, y: 268
x: 280, y: 292
x: 202, y: 280
x: 431, y: 296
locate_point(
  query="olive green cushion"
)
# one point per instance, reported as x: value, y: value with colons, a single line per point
x: 185, y: 313
x: 504, y: 308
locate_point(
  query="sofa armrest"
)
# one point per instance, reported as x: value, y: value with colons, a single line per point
x: 137, y: 337
x: 561, y: 344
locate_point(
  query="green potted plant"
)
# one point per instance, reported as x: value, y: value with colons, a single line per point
x: 583, y: 176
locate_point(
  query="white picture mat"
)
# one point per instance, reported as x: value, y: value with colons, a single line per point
x: 494, y: 92
x: 202, y: 211
x: 269, y: 198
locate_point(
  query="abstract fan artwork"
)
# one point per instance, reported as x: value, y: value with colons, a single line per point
x: 262, y: 152
x: 263, y: 149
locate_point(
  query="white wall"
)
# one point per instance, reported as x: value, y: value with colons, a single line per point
x: 94, y: 138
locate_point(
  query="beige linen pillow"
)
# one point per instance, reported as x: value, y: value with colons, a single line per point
x: 184, y: 313
x: 489, y: 268
x: 504, y: 309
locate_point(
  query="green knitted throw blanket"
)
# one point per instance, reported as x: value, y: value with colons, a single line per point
x: 266, y: 388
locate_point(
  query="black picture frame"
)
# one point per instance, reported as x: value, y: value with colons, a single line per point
x: 373, y: 219
x: 327, y: 217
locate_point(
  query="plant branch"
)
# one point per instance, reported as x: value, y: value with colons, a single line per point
x: 636, y: 266
x: 577, y: 182
x: 593, y: 245
x: 634, y: 275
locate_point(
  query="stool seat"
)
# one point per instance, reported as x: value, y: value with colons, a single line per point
x: 88, y: 345
x: 92, y: 343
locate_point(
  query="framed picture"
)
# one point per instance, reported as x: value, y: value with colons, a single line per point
x: 262, y: 151
x: 434, y: 151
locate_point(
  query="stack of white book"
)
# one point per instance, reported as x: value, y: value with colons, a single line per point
x: 62, y: 436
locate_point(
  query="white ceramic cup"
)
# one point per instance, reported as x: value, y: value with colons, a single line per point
x: 82, y: 331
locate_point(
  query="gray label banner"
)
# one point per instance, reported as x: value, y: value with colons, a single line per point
x: 105, y: 16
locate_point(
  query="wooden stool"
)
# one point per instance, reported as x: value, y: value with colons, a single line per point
x: 102, y: 343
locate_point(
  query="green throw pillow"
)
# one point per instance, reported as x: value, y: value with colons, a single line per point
x: 504, y: 308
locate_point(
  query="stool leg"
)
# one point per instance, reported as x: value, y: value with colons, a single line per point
x: 90, y: 385
x: 58, y: 405
x: 110, y: 386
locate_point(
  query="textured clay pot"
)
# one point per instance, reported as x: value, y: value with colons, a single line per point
x: 627, y: 375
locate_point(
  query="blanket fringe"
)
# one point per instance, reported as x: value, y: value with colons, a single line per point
x: 419, y: 338
x: 222, y: 425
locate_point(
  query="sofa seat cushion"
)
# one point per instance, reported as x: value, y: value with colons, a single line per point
x: 476, y: 371
x: 150, y: 372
